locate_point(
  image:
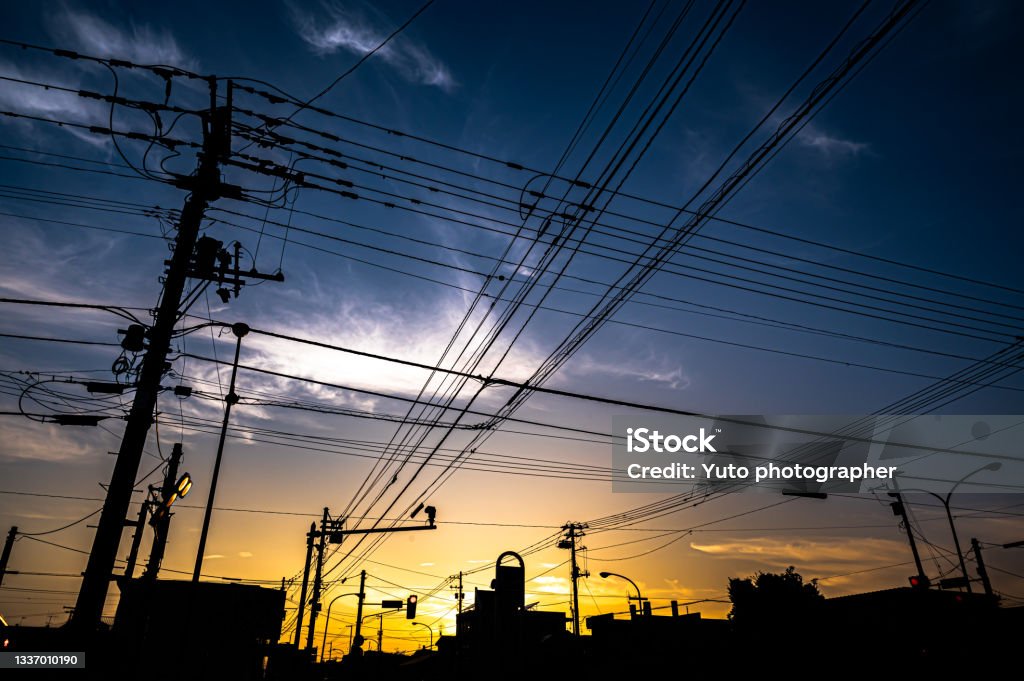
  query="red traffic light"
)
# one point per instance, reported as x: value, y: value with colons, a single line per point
x: 410, y: 608
x: 920, y: 582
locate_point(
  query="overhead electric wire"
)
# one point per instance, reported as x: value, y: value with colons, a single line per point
x: 906, y: 299
x: 506, y: 316
x: 748, y: 285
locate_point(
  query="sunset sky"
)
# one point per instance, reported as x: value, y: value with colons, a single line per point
x: 878, y: 252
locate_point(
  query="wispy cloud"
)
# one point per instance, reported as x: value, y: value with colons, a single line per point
x: 89, y: 34
x: 24, y: 439
x: 651, y: 369
x: 336, y: 29
x: 551, y: 584
x: 53, y: 105
x: 821, y: 554
x: 830, y: 145
x: 410, y: 333
x: 139, y: 43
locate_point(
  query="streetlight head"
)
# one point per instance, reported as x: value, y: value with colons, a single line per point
x: 994, y: 466
x: 184, y: 485
x: 605, y: 575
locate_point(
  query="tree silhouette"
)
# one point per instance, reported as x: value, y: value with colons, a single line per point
x: 771, y: 601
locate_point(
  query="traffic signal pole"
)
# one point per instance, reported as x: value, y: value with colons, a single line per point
x: 357, y: 642
x: 900, y: 509
x: 333, y: 531
x: 205, y: 186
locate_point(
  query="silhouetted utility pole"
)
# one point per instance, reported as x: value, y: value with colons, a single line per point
x: 204, y: 186
x: 6, y: 555
x: 898, y: 508
x: 240, y: 330
x: 163, y: 523
x: 982, y: 571
x: 357, y: 642
x: 333, y: 531
x: 574, y: 532
x: 314, y: 606
x: 140, y: 527
x: 305, y: 582
x: 459, y: 595
x: 380, y: 633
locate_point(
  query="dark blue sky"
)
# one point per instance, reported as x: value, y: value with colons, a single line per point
x: 916, y: 161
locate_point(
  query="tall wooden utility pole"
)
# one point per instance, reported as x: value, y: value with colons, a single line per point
x: 204, y: 186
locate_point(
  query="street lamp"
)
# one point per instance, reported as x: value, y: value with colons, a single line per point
x: 639, y: 598
x: 994, y: 466
x: 327, y: 623
x: 428, y: 629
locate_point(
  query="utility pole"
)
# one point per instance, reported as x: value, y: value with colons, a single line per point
x: 982, y: 571
x: 305, y: 583
x: 357, y: 642
x: 140, y: 527
x: 900, y: 509
x: 163, y: 524
x: 459, y: 595
x: 6, y: 555
x: 240, y: 330
x: 573, y: 532
x: 380, y: 634
x: 204, y: 186
x: 333, y: 531
x: 314, y: 605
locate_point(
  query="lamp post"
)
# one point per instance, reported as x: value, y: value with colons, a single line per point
x: 428, y: 629
x: 327, y: 622
x: 994, y: 466
x: 639, y: 598
x: 240, y: 330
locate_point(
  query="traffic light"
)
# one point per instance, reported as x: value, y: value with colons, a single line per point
x: 920, y: 582
x: 410, y: 608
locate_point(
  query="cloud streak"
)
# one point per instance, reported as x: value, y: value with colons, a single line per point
x: 656, y: 370
x: 812, y: 553
x: 343, y: 29
x: 829, y: 145
x: 54, y: 105
x: 138, y: 43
